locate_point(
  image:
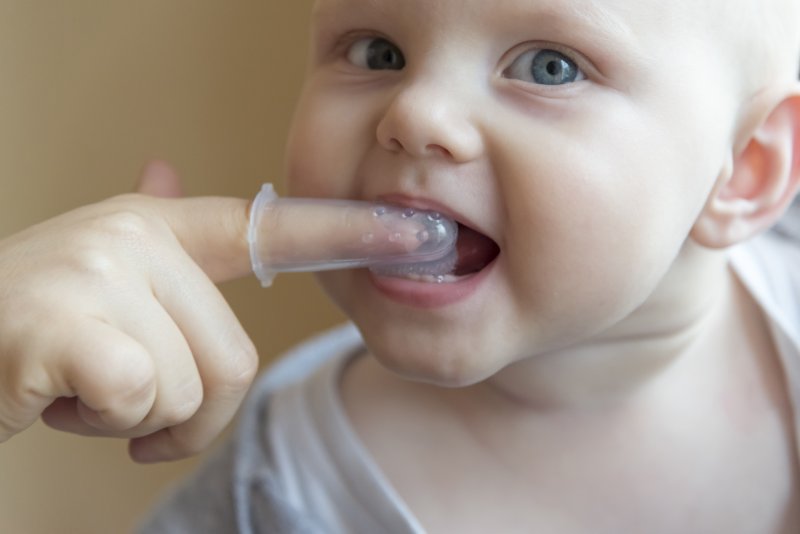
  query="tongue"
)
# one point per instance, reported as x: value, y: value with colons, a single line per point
x: 475, y: 251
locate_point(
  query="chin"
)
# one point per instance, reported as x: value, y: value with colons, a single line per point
x: 450, y: 347
x: 430, y: 357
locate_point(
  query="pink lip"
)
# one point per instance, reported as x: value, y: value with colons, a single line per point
x: 430, y: 295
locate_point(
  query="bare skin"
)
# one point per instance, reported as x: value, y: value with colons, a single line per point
x: 111, y: 323
x: 611, y: 374
x: 703, y: 445
x: 646, y: 461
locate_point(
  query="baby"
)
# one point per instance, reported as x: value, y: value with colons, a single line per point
x: 601, y: 359
x: 612, y: 353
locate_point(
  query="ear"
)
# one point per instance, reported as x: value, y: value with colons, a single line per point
x: 757, y: 186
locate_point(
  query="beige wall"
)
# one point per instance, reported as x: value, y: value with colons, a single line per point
x: 90, y: 90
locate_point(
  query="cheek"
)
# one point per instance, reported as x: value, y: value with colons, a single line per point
x: 597, y: 213
x: 326, y: 143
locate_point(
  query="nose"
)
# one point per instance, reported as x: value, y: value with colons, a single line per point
x: 427, y: 120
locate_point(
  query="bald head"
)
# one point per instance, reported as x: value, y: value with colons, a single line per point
x: 765, y: 36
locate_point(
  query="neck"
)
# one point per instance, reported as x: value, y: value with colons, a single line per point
x: 680, y: 323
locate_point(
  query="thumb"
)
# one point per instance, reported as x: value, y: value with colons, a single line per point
x: 159, y: 179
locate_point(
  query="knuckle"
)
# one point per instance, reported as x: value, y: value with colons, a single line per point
x: 180, y: 412
x: 21, y: 396
x: 102, y: 251
x: 135, y: 381
x: 126, y: 226
x: 96, y: 264
x: 19, y: 381
x: 242, y: 369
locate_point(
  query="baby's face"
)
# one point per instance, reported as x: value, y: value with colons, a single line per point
x: 581, y: 138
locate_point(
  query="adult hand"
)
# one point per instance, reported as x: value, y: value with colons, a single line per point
x: 111, y: 323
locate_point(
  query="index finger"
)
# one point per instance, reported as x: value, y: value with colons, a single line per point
x: 290, y: 234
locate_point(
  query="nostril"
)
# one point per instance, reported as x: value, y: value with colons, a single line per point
x: 438, y: 150
x: 395, y: 145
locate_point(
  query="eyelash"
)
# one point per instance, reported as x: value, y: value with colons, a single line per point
x: 350, y: 41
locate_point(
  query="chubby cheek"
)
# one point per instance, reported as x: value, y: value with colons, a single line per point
x: 594, y: 223
x: 325, y: 146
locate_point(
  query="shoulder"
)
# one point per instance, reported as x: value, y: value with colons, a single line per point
x: 769, y: 266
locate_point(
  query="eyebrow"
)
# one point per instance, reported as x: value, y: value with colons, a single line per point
x: 325, y: 8
x: 589, y: 16
x: 594, y: 27
x: 589, y: 13
x: 592, y: 13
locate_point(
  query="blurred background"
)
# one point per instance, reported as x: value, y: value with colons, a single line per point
x: 90, y: 91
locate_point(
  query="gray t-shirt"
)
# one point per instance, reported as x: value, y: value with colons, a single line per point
x: 294, y: 465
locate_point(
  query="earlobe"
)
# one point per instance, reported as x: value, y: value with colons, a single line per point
x: 756, y: 187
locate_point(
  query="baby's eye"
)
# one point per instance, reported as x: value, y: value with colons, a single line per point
x: 544, y: 67
x: 375, y: 53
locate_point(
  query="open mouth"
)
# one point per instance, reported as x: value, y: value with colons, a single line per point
x: 473, y: 252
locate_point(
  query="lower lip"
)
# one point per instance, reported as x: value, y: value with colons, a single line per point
x: 428, y: 294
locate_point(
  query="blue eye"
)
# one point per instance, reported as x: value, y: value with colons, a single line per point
x: 544, y: 67
x: 376, y: 53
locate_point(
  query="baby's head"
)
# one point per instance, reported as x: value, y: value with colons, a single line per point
x: 594, y: 144
x: 763, y: 39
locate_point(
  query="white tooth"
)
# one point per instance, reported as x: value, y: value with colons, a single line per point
x: 431, y: 279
